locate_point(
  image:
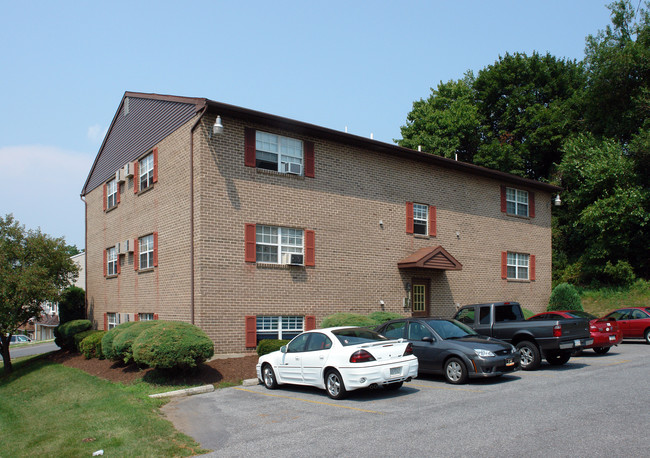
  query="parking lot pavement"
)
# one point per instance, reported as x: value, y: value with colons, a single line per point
x: 571, y: 410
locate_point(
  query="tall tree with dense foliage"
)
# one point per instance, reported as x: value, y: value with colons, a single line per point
x: 34, y: 268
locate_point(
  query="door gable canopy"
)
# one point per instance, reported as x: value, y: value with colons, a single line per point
x: 430, y: 258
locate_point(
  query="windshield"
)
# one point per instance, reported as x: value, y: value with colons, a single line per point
x: 356, y: 336
x: 450, y: 329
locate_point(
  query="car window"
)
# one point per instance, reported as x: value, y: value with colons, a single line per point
x: 449, y: 329
x: 579, y: 314
x: 417, y: 331
x: 356, y: 336
x: 484, y: 315
x: 506, y: 312
x: 638, y: 314
x: 395, y: 330
x: 621, y: 314
x: 466, y: 316
x: 298, y: 344
x: 319, y: 341
x: 545, y: 316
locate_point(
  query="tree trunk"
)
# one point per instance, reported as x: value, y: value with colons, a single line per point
x: 6, y: 358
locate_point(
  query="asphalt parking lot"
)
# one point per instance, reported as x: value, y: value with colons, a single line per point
x: 595, y: 405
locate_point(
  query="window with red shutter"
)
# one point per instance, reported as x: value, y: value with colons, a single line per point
x: 309, y: 160
x: 136, y: 176
x: 433, y: 221
x: 532, y: 267
x: 409, y: 217
x: 105, y: 196
x: 310, y: 323
x: 155, y: 165
x: 249, y: 147
x: 155, y: 249
x: 249, y: 243
x: 310, y: 248
x: 251, y: 331
x: 504, y: 265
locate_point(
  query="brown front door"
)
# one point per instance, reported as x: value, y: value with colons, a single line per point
x: 420, y: 298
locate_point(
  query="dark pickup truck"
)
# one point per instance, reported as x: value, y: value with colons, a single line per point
x: 554, y: 340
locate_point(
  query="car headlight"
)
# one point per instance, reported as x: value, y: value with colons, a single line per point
x: 483, y: 353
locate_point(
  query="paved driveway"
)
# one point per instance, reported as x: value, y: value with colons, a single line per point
x: 593, y: 406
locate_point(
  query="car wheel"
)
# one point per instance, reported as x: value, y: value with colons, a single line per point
x: 530, y: 356
x: 334, y: 385
x: 601, y: 350
x: 647, y: 336
x: 393, y: 386
x: 558, y: 358
x: 455, y: 371
x: 268, y: 377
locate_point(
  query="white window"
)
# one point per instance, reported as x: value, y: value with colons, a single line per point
x: 111, y: 261
x: 420, y: 219
x: 113, y: 320
x: 145, y: 169
x: 282, y: 154
x: 111, y: 194
x: 516, y: 202
x: 145, y: 252
x: 272, y: 242
x: 518, y: 266
x: 279, y: 327
x: 145, y: 316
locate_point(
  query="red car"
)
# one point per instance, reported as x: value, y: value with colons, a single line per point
x: 633, y: 321
x: 606, y: 331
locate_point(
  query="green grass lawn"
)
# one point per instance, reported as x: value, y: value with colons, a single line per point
x: 601, y: 301
x: 47, y: 409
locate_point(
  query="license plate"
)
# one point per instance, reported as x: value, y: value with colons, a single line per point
x: 510, y: 362
x: 612, y: 338
x: 577, y: 343
x: 395, y: 371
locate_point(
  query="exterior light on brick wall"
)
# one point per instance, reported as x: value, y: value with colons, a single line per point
x: 381, y: 223
x: 458, y: 235
x: 217, y: 129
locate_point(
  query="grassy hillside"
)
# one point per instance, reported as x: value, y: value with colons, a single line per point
x: 601, y: 301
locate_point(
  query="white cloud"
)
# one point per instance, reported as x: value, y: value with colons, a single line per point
x: 41, y: 186
x: 96, y: 133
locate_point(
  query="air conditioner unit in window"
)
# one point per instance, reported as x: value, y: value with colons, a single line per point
x: 128, y: 169
x: 118, y: 246
x: 127, y: 246
x: 292, y: 259
x: 119, y: 176
x: 292, y: 167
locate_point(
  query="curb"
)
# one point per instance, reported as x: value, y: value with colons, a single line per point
x: 250, y: 382
x: 185, y: 392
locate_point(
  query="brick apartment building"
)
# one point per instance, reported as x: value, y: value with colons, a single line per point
x: 254, y: 226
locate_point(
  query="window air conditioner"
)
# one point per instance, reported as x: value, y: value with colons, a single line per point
x: 127, y: 246
x: 119, y: 176
x: 292, y: 167
x: 128, y: 169
x: 292, y: 259
x: 118, y: 247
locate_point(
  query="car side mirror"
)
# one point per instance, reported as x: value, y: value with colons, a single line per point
x: 427, y: 339
x: 283, y: 348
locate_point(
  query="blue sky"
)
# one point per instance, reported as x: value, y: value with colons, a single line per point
x: 65, y: 66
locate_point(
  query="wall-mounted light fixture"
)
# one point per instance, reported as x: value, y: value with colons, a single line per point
x: 217, y: 129
x: 458, y: 234
x: 557, y: 202
x: 381, y: 223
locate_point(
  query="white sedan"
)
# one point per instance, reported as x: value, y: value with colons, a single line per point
x: 340, y: 360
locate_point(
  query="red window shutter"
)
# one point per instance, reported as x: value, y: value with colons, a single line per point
x: 136, y: 177
x: 409, y: 217
x: 155, y: 249
x: 104, y: 196
x: 251, y: 331
x: 310, y: 323
x: 155, y: 316
x: 249, y: 147
x: 105, y: 321
x: 504, y: 265
x: 310, y: 248
x: 309, y: 160
x: 531, y: 204
x: 504, y: 206
x: 136, y: 317
x: 136, y: 256
x: 104, y: 263
x: 117, y: 199
x: 532, y: 267
x: 433, y: 221
x: 155, y: 165
x: 249, y: 243
x: 117, y: 265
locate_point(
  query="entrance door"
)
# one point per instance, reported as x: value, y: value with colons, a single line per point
x: 420, y: 299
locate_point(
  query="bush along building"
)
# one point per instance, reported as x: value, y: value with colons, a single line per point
x: 255, y: 226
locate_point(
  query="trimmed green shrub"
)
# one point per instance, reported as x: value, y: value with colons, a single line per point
x: 564, y: 297
x: 348, y: 319
x: 65, y: 333
x: 382, y: 317
x: 123, y: 341
x: 72, y: 305
x: 107, y: 340
x: 269, y: 346
x: 172, y: 345
x: 91, y: 346
x: 79, y: 337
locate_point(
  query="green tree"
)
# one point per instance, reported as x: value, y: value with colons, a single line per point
x: 617, y: 97
x: 564, y: 297
x: 447, y: 123
x: 528, y: 105
x: 72, y: 305
x: 34, y: 268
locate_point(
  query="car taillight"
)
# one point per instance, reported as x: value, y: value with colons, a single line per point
x: 408, y: 350
x: 361, y: 356
x: 557, y: 330
x: 593, y: 328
